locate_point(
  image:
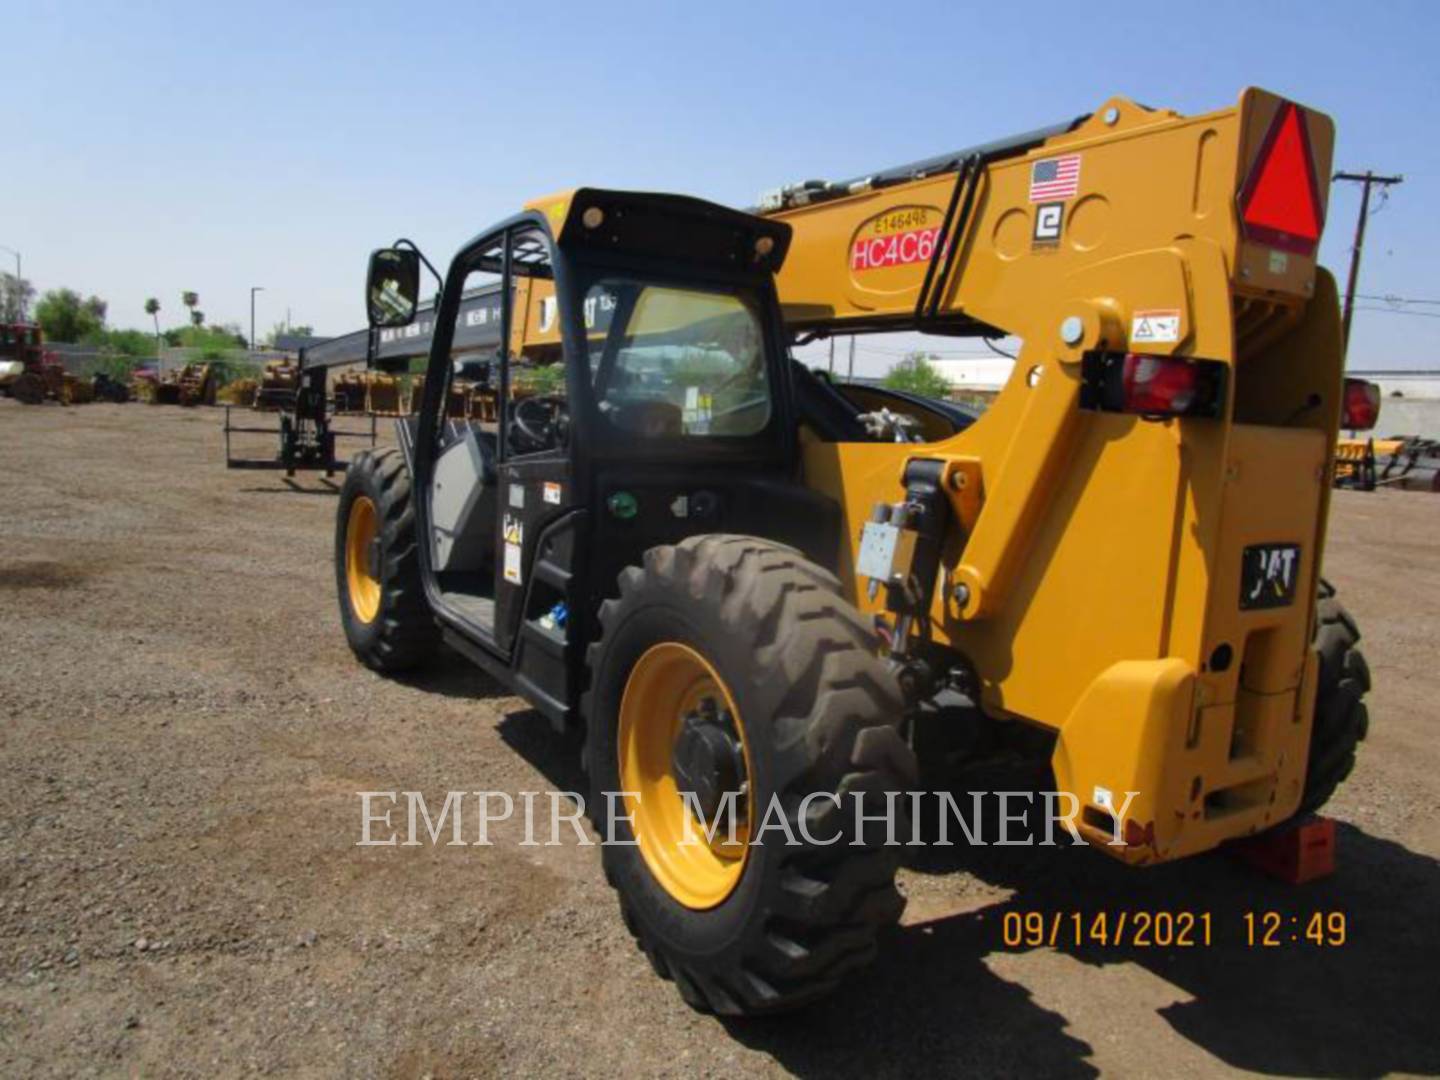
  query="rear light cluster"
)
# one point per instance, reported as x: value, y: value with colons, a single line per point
x: 1152, y: 386
x: 1361, y: 406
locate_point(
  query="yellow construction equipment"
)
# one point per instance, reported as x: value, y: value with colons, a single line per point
x: 368, y: 392
x: 382, y: 394
x: 193, y: 384
x: 348, y: 388
x: 763, y: 593
x: 77, y: 390
x: 1162, y: 448
x: 279, y: 380
x: 239, y: 392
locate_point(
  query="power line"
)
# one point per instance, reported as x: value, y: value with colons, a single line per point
x: 1397, y: 311
x: 1396, y: 299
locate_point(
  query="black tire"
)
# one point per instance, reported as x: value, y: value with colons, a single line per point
x: 820, y: 713
x: 403, y: 634
x: 29, y: 389
x: 1341, y: 719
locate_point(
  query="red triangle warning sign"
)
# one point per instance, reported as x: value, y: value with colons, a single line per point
x: 1280, y: 203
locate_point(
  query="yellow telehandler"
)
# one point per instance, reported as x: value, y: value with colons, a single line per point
x: 750, y: 584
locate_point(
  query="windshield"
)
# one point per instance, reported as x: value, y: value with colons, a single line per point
x: 667, y: 361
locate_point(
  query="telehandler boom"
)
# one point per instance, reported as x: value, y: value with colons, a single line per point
x: 1125, y: 549
x: 757, y: 590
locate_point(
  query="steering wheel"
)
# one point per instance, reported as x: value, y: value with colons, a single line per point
x: 536, y: 423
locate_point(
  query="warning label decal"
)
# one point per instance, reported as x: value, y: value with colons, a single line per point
x: 1155, y: 327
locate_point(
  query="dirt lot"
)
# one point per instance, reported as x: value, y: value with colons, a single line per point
x: 183, y: 733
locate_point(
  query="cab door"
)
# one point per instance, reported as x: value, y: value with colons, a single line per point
x: 538, y: 520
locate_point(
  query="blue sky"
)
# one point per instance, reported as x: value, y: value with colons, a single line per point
x: 152, y: 148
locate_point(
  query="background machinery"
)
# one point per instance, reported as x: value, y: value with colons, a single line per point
x: 749, y: 585
x: 27, y: 372
x: 365, y: 364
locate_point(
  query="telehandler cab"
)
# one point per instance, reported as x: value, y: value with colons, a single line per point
x: 755, y: 589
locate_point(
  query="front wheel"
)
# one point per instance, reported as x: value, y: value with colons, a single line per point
x: 738, y: 713
x: 377, y: 566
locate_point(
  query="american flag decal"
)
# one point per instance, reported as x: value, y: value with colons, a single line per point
x: 1055, y: 178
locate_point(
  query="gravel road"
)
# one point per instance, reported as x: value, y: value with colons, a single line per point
x: 183, y: 733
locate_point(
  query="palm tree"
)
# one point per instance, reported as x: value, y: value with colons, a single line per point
x: 197, y: 318
x: 152, y: 308
x: 190, y: 300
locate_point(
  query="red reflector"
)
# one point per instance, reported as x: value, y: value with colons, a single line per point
x: 1280, y: 203
x: 1159, y: 384
x: 1362, y: 405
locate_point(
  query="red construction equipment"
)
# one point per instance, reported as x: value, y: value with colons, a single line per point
x: 27, y: 372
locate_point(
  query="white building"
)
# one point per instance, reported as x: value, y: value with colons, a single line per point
x: 985, y: 375
x: 1409, y: 402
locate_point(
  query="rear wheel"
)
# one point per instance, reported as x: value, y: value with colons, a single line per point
x: 377, y: 566
x: 731, y: 668
x: 1341, y: 718
x: 28, y: 388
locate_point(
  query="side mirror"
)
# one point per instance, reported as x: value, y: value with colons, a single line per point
x: 392, y: 287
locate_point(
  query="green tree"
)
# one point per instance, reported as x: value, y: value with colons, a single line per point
x: 540, y: 379
x: 152, y: 308
x: 127, y: 342
x: 916, y: 375
x: 65, y: 316
x: 190, y: 299
x: 212, y: 341
x: 15, y: 296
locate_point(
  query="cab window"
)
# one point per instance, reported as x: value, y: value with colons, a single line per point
x: 674, y: 362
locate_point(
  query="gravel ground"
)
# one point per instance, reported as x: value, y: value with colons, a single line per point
x: 183, y: 733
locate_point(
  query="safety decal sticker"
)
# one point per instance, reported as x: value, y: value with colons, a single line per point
x: 513, y: 533
x: 517, y: 496
x: 552, y: 493
x: 1155, y: 327
x: 1049, y: 217
x: 1055, y: 178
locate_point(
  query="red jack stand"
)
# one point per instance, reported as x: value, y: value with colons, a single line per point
x: 1295, y: 852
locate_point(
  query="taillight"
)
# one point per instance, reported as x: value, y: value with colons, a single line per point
x: 1280, y: 202
x: 1362, y: 405
x: 1152, y: 386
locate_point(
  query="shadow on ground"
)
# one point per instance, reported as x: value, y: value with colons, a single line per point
x: 453, y: 676
x: 1361, y: 1009
x: 326, y: 487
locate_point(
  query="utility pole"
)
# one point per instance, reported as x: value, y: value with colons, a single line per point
x: 851, y: 376
x: 1368, y: 179
x: 253, y: 290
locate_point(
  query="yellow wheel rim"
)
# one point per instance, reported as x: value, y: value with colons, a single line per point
x: 363, y: 586
x: 668, y: 683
